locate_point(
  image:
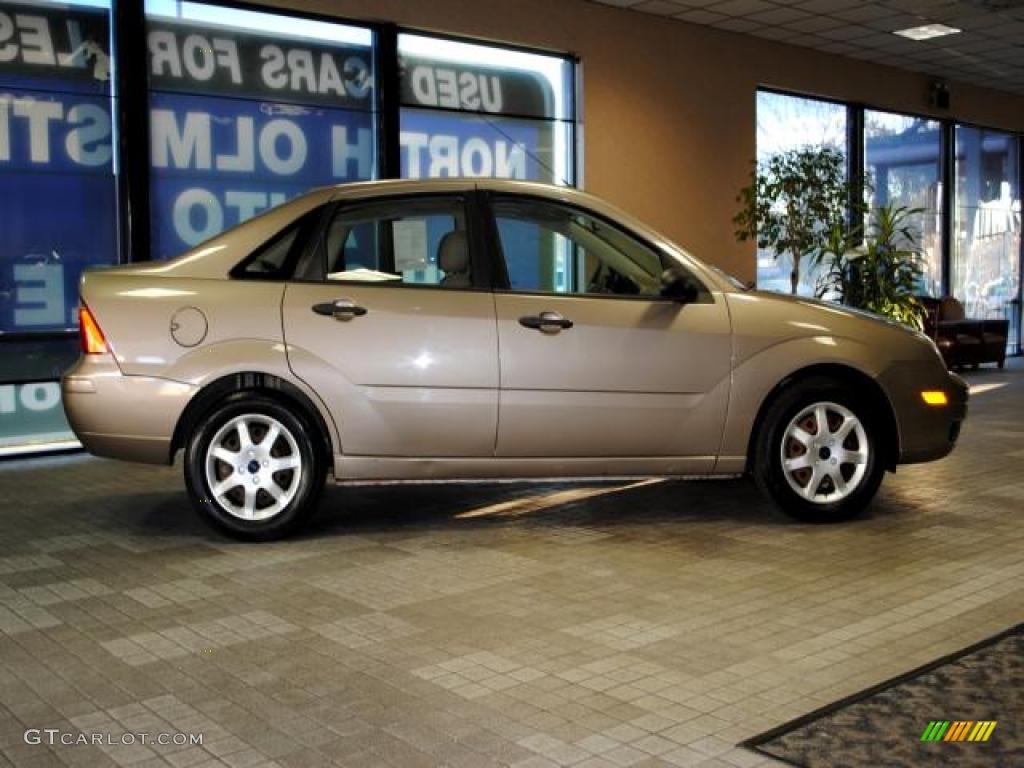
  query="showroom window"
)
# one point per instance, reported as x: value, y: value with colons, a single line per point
x: 59, y: 190
x: 786, y: 122
x: 484, y: 110
x: 247, y: 110
x: 966, y: 179
x: 987, y: 225
x: 489, y: 111
x: 903, y: 161
x: 234, y: 111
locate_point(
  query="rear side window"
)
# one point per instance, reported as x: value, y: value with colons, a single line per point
x: 403, y: 241
x: 276, y: 259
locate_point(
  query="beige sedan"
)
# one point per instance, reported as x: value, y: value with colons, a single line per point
x: 470, y: 329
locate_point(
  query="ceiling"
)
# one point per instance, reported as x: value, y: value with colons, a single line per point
x: 989, y: 52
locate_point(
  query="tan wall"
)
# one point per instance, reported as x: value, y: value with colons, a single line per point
x: 668, y: 107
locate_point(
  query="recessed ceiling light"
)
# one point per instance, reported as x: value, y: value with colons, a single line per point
x: 927, y: 31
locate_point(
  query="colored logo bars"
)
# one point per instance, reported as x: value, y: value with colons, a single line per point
x: 958, y: 730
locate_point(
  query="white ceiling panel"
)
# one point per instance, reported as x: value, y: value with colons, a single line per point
x: 988, y: 52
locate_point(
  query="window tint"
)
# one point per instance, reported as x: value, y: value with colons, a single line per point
x: 558, y: 249
x: 417, y: 242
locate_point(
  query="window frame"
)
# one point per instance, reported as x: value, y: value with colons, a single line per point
x: 502, y: 284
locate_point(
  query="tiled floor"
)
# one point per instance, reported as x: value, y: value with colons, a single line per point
x: 488, y: 625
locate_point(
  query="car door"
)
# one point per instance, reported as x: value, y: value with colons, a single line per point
x: 387, y: 325
x: 594, y: 361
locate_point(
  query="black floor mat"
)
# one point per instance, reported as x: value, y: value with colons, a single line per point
x: 885, y: 725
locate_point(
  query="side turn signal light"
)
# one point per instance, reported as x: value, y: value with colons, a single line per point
x: 934, y: 397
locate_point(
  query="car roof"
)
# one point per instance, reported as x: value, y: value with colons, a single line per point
x: 215, y: 257
x: 456, y: 184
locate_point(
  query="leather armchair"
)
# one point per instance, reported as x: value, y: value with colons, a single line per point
x: 964, y: 341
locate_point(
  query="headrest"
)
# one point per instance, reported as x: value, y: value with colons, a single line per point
x: 453, y: 253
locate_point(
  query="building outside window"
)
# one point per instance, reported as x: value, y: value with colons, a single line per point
x: 58, y: 185
x: 905, y: 165
x: 786, y: 122
x: 987, y: 225
x: 484, y: 110
x: 488, y: 111
x: 903, y: 162
x: 247, y: 110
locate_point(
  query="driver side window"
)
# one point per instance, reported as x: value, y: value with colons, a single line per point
x: 552, y: 248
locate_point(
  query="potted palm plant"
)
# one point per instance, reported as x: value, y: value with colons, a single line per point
x: 881, y: 275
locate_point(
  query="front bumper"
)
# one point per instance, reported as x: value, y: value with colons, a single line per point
x: 123, y: 417
x: 926, y: 432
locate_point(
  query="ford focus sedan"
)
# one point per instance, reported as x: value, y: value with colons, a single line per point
x: 470, y: 329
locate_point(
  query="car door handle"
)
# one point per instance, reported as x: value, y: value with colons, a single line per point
x: 340, y: 309
x: 547, y: 322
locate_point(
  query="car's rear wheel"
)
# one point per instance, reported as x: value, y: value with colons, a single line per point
x: 818, y: 452
x: 253, y: 467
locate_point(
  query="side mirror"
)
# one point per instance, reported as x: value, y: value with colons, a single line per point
x: 679, y: 286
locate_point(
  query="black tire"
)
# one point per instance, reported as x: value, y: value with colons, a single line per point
x: 771, y: 441
x: 298, y: 436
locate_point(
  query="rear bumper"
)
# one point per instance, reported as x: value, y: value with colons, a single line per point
x: 926, y: 432
x: 123, y: 417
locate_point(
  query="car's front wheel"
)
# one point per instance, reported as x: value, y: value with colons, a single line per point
x: 253, y: 468
x: 818, y: 452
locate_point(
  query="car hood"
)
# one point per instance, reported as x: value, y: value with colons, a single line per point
x: 832, y: 310
x: 762, y: 320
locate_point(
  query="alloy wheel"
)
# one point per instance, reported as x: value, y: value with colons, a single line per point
x: 253, y: 467
x: 825, y: 453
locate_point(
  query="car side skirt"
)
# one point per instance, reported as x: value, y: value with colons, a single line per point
x: 386, y: 468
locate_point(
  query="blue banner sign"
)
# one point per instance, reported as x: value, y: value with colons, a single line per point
x: 242, y: 120
x: 219, y: 161
x: 59, y: 211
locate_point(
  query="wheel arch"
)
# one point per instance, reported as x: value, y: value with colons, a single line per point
x: 859, y: 382
x: 267, y: 384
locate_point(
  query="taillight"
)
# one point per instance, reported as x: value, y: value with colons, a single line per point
x: 93, y: 341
